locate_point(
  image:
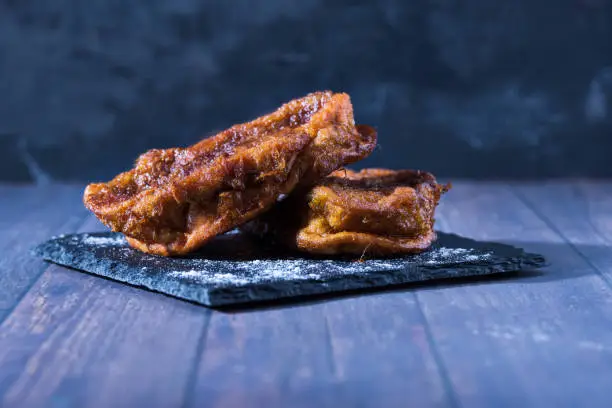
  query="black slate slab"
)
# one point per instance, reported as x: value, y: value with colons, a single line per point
x: 233, y: 269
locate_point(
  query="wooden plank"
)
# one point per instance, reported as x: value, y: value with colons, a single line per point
x: 533, y: 340
x: 581, y: 212
x: 270, y: 358
x: 384, y: 354
x: 29, y: 215
x: 366, y: 351
x: 78, y: 340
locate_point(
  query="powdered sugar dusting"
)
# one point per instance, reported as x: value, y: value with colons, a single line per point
x: 448, y: 255
x: 204, y: 276
x: 263, y: 270
x: 115, y: 240
x: 266, y: 270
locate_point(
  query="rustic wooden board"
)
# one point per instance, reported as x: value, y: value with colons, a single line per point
x: 383, y: 353
x: 268, y: 358
x: 78, y: 340
x: 580, y: 212
x: 29, y: 215
x: 367, y: 351
x: 541, y: 339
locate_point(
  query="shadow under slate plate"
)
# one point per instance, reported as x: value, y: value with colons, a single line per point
x: 233, y: 269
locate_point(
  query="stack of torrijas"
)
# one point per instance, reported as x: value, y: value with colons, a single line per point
x: 277, y: 175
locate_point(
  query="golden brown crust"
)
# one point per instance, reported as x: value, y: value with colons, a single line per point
x: 175, y: 200
x: 359, y: 243
x: 374, y: 211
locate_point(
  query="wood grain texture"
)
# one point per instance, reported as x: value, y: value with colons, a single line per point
x: 581, y: 212
x: 265, y: 358
x: 76, y: 340
x: 383, y: 353
x: 535, y: 340
x: 29, y: 215
x: 366, y: 351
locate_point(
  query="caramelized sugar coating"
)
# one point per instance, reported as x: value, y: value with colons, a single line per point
x: 374, y: 211
x: 175, y: 200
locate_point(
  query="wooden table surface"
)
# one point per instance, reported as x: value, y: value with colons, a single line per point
x: 68, y: 339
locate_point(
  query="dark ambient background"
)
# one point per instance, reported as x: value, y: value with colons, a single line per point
x: 470, y: 88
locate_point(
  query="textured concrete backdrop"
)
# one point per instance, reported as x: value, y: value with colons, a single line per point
x: 466, y: 88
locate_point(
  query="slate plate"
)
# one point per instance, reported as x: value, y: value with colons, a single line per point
x: 233, y: 269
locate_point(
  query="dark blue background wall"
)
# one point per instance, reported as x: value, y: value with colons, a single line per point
x: 469, y: 88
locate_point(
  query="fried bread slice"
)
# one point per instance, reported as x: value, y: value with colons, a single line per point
x: 374, y: 211
x: 175, y: 200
